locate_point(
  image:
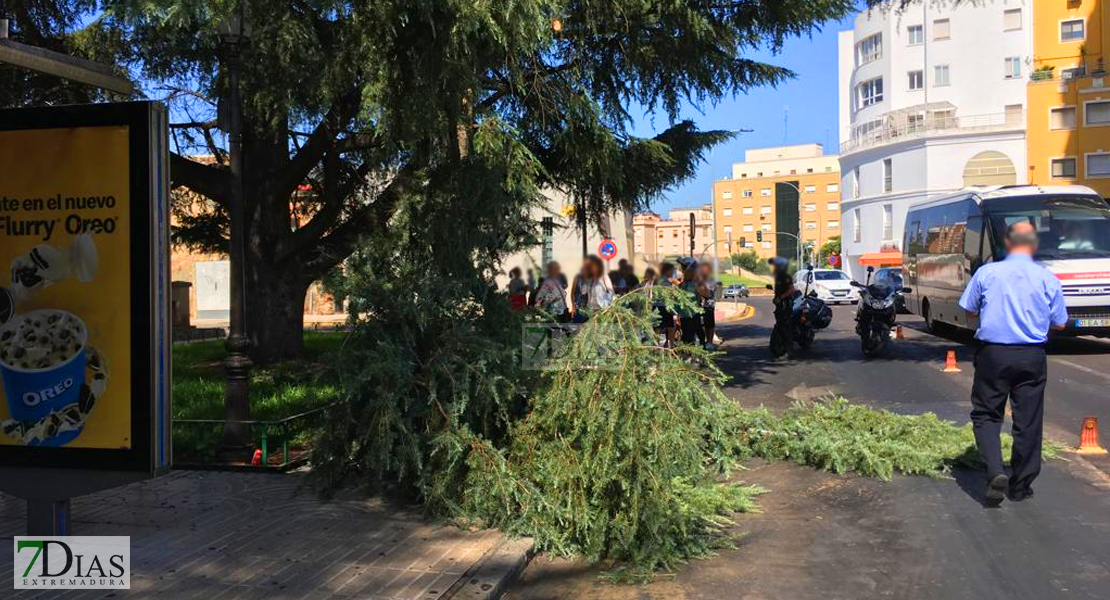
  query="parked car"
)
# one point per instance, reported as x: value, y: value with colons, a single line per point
x: 736, y: 290
x: 892, y: 276
x: 832, y: 286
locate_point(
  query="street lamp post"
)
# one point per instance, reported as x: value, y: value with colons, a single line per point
x: 237, y: 365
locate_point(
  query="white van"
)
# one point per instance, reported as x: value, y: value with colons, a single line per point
x: 947, y: 239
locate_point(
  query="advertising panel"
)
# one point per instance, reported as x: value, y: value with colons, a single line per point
x: 84, y: 337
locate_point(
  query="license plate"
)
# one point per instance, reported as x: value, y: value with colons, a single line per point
x: 839, y: 293
x: 1092, y: 322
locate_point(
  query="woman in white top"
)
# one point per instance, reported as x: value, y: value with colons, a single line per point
x: 601, y: 288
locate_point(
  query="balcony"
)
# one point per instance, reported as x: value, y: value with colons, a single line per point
x: 933, y: 120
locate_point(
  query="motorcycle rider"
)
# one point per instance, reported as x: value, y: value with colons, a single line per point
x: 784, y: 289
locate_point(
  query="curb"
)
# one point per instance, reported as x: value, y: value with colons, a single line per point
x: 491, y: 577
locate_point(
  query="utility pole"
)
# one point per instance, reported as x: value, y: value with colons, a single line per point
x: 692, y: 247
x: 237, y: 365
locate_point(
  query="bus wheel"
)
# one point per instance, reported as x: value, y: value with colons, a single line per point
x: 931, y: 325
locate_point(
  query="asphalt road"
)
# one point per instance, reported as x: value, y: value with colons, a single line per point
x: 822, y: 536
x: 908, y: 377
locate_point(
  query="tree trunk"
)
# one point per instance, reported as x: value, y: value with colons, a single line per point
x: 275, y: 316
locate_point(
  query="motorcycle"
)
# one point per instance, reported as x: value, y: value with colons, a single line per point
x: 797, y: 320
x: 875, y: 315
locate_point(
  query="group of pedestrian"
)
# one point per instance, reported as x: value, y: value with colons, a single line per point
x: 689, y: 325
x: 595, y: 288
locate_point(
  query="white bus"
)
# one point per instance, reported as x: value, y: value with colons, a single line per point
x: 948, y: 238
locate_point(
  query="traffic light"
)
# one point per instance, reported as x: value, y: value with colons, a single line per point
x: 759, y: 236
x: 743, y: 242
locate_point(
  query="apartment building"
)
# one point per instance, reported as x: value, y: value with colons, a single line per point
x: 1069, y: 95
x: 932, y: 100
x: 657, y: 238
x: 776, y: 197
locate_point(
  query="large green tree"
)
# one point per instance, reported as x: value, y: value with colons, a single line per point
x: 352, y: 105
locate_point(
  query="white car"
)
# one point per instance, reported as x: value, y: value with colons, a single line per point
x: 831, y: 285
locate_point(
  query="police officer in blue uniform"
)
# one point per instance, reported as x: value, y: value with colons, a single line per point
x: 1017, y: 301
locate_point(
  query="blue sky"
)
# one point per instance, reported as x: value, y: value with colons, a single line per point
x: 811, y: 98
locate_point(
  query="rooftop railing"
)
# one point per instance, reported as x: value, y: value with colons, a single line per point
x: 903, y: 127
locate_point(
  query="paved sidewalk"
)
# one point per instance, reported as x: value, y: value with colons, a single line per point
x: 221, y: 536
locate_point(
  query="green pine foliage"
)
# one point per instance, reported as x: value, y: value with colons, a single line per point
x: 621, y: 456
x: 841, y: 437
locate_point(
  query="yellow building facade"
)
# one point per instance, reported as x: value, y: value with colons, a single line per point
x: 777, y: 194
x: 1068, y: 115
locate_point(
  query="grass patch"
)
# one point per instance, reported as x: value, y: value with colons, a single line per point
x: 730, y: 279
x: 841, y: 437
x: 277, y: 391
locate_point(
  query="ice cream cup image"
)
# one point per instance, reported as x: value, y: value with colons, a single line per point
x: 42, y: 363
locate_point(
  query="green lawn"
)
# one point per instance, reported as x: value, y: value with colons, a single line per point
x: 729, y: 279
x: 277, y: 391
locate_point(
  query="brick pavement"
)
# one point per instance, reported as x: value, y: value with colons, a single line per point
x: 225, y: 536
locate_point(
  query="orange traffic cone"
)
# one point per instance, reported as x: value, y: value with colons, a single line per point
x: 1088, y: 437
x: 950, y: 363
x: 898, y: 335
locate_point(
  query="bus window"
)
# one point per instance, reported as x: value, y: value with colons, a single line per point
x: 973, y: 240
x: 1069, y: 227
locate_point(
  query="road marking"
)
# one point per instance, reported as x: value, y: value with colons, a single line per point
x: 1080, y: 367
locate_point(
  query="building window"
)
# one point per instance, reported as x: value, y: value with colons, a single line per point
x: 811, y: 189
x: 748, y: 228
x: 747, y: 194
x: 765, y: 192
x: 765, y: 227
x: 1072, y: 30
x: 1013, y: 67
x: 1096, y: 112
x: 811, y: 225
x: 832, y: 206
x: 888, y: 221
x: 834, y: 224
x: 832, y: 188
x: 728, y: 229
x: 811, y: 208
x: 871, y: 48
x: 1098, y: 164
x: 747, y: 210
x: 810, y: 170
x: 871, y: 92
x: 888, y: 175
x: 1061, y: 117
x: 766, y: 245
x: 942, y: 76
x: 765, y: 210
x: 727, y: 212
x: 917, y: 79
x: 942, y: 29
x: 1063, y: 167
x: 726, y: 195
x: 857, y: 227
x: 855, y: 183
x: 915, y: 34
x: 1011, y: 19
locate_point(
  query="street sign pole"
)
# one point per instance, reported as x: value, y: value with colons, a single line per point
x: 692, y: 248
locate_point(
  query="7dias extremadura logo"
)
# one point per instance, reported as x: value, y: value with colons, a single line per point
x: 72, y: 562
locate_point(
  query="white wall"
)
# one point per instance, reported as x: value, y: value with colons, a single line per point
x: 933, y: 163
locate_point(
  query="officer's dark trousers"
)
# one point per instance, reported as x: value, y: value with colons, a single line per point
x: 1020, y: 373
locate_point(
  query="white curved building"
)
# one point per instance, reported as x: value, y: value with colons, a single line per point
x: 932, y: 99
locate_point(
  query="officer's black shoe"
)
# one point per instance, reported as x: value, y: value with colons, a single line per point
x: 1019, y: 495
x: 996, y: 490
